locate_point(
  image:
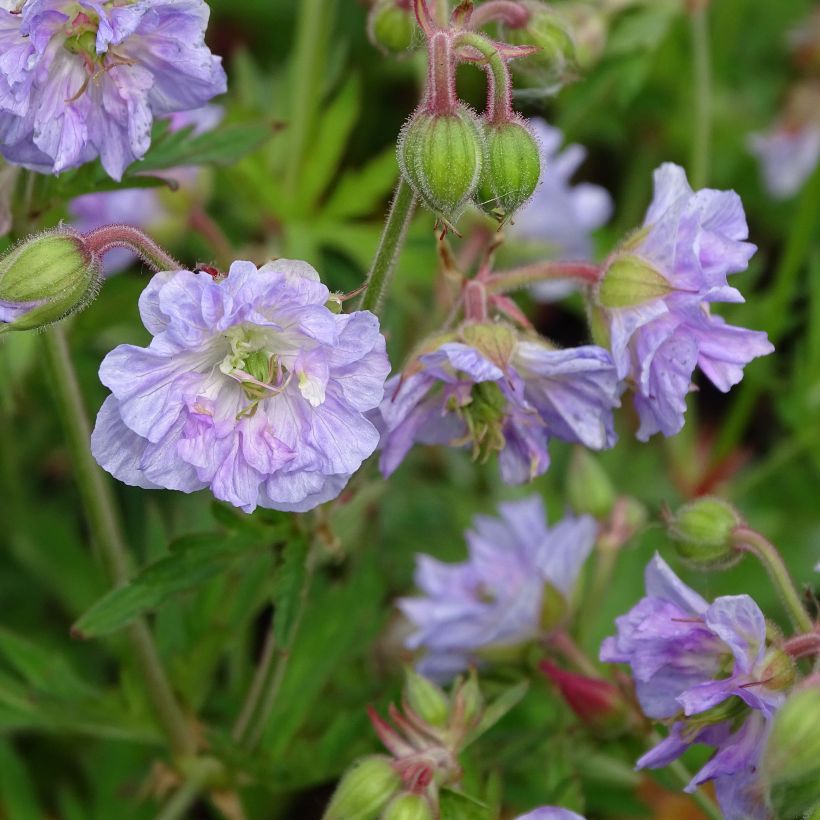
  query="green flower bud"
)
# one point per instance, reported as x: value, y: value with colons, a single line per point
x: 468, y: 703
x: 441, y: 156
x: 790, y: 765
x: 630, y: 281
x: 391, y: 26
x: 426, y: 699
x: 45, y: 278
x: 366, y: 788
x: 702, y: 532
x: 588, y: 486
x: 511, y: 170
x: 555, y: 63
x: 408, y: 807
x: 779, y: 670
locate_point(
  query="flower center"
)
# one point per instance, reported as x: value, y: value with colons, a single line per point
x: 483, y: 412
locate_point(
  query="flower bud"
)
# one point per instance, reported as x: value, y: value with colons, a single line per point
x: 426, y: 699
x: 779, y: 670
x: 790, y: 764
x: 511, y: 171
x: 598, y: 703
x: 468, y: 703
x: 555, y: 62
x: 391, y: 26
x: 45, y: 278
x: 631, y: 281
x: 441, y: 156
x: 588, y: 486
x: 702, y: 532
x: 409, y: 807
x: 366, y: 788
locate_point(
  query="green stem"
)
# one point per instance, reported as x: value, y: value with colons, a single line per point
x: 745, y: 539
x: 701, y: 55
x: 684, y: 777
x: 312, y: 33
x: 443, y: 12
x: 252, y: 699
x: 498, y: 73
x: 390, y: 245
x: 98, y: 502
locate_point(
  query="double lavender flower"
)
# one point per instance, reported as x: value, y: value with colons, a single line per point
x: 654, y: 300
x: 707, y: 670
x: 86, y: 78
x: 495, y: 600
x: 251, y: 386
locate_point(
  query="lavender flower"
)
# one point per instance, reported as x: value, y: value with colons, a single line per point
x: 788, y: 156
x: 654, y: 300
x: 251, y: 386
x: 560, y: 214
x: 551, y: 813
x: 84, y: 78
x: 488, y: 388
x: 143, y: 207
x: 496, y: 598
x: 707, y: 668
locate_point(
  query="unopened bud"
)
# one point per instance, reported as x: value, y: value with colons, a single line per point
x: 45, y: 278
x: 426, y: 699
x: 598, y: 703
x: 468, y: 702
x: 364, y: 791
x: 391, y: 26
x: 511, y: 170
x: 630, y: 281
x: 702, y: 532
x: 791, y: 759
x: 588, y: 486
x: 441, y: 156
x: 779, y: 670
x: 408, y: 807
x: 555, y: 62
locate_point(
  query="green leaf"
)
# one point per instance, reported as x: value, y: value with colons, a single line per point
x: 193, y: 561
x: 288, y: 589
x: 360, y: 192
x: 508, y: 700
x: 458, y: 806
x: 18, y: 799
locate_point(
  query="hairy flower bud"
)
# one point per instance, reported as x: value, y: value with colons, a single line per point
x: 45, y: 278
x: 408, y: 807
x: 441, y: 157
x: 588, y: 486
x: 426, y: 699
x: 391, y: 26
x: 364, y: 791
x: 791, y: 759
x: 630, y: 281
x: 702, y: 532
x: 511, y: 170
x: 555, y: 62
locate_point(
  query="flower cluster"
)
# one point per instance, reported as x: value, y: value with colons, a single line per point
x: 653, y: 302
x: 708, y: 670
x: 251, y: 386
x: 85, y: 78
x: 516, y: 583
x: 495, y: 391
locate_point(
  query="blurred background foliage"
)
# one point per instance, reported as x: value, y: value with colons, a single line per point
x: 306, y: 171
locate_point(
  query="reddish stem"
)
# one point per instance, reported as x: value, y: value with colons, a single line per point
x: 441, y: 85
x: 102, y: 240
x: 508, y: 12
x: 506, y: 281
x: 800, y: 646
x: 475, y: 302
x: 425, y: 17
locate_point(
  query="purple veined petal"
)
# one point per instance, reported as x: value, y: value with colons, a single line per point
x: 661, y: 582
x: 461, y: 358
x: 666, y: 752
x: 442, y: 667
x: 300, y: 490
x: 565, y: 550
x: 525, y: 454
x: 705, y: 696
x: 788, y: 156
x: 623, y: 324
x: 525, y: 520
x: 737, y: 753
x: 738, y: 621
x: 551, y: 813
x: 671, y: 186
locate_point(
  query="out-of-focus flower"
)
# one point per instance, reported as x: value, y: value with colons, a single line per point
x: 251, y: 386
x: 653, y: 301
x: 551, y: 813
x: 789, y: 153
x: 488, y: 388
x: 708, y: 669
x: 560, y: 214
x: 83, y: 78
x: 519, y: 572
x: 8, y: 178
x: 145, y: 208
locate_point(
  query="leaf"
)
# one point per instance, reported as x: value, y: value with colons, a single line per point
x: 360, y: 192
x: 288, y: 589
x: 508, y: 700
x: 458, y: 806
x: 193, y: 560
x: 18, y: 799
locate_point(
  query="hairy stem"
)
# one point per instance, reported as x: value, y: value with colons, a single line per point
x: 507, y: 281
x: 499, y: 102
x: 701, y: 57
x: 390, y: 245
x: 441, y: 84
x: 100, y: 510
x: 745, y: 539
x: 508, y: 12
x: 104, y: 239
